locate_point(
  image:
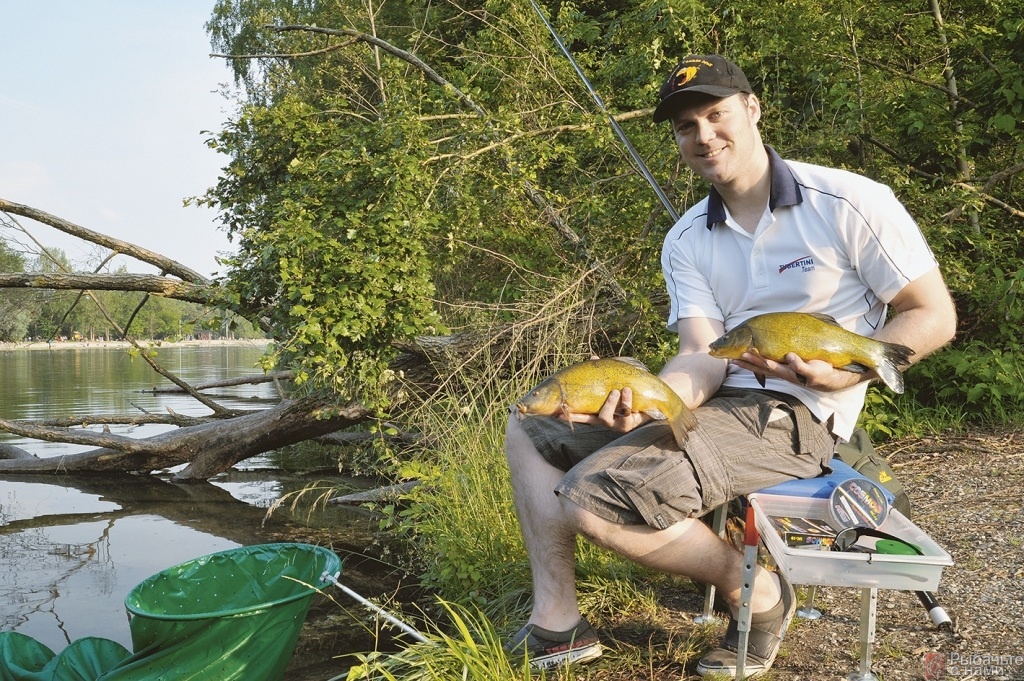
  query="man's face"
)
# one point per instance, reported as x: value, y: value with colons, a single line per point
x: 717, y: 137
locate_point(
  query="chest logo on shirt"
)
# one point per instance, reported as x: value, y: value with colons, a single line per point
x: 804, y: 264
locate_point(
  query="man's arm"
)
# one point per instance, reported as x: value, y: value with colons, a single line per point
x: 925, y: 320
x: 693, y: 373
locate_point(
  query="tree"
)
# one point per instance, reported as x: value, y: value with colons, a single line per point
x: 14, y: 316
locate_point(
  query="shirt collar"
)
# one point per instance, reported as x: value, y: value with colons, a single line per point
x: 784, y: 192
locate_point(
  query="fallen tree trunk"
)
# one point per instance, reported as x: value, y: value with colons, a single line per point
x: 207, y: 445
x: 204, y: 294
x: 162, y: 262
x: 207, y: 448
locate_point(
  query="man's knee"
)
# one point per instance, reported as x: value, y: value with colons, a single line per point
x: 517, y: 441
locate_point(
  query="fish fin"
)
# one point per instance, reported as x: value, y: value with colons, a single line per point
x: 682, y: 424
x: 760, y: 379
x: 655, y: 414
x: 564, y: 411
x: 899, y: 354
x: 632, y: 361
x: 894, y: 357
x: 891, y: 376
x: 563, y: 406
x: 855, y: 367
x: 822, y: 317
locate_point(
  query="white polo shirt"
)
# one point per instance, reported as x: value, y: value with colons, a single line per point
x: 830, y: 241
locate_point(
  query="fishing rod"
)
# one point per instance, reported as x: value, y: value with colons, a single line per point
x: 644, y: 170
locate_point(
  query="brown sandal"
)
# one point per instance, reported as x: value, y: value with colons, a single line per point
x: 763, y: 642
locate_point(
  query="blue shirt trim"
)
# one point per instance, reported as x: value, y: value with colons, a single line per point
x: 784, y: 192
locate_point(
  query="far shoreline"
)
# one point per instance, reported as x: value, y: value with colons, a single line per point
x: 100, y: 344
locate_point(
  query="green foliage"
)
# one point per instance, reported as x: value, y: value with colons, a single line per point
x: 985, y: 382
x: 380, y: 190
x: 335, y: 256
x: 983, y: 372
x: 14, y: 309
x: 877, y: 417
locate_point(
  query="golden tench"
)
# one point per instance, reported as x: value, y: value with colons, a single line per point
x: 583, y: 388
x: 814, y: 336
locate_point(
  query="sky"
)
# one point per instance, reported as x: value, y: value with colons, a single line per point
x: 103, y: 104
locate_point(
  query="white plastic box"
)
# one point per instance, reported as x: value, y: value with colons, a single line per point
x: 809, y: 566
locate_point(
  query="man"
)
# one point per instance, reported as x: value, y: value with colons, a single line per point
x: 771, y: 236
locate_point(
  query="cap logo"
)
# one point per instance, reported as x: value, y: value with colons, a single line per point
x: 685, y: 74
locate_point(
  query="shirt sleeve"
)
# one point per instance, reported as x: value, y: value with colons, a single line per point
x: 689, y: 288
x: 887, y: 246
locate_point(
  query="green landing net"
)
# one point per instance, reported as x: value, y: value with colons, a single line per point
x: 230, y: 615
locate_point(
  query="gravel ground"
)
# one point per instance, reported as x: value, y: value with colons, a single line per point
x: 967, y: 495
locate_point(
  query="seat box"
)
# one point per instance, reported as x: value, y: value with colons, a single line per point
x: 819, y: 566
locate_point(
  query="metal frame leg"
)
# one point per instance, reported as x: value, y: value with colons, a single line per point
x: 718, y: 525
x: 750, y: 543
x: 807, y: 611
x: 868, y: 609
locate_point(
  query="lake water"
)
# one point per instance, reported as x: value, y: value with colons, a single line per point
x: 71, y: 548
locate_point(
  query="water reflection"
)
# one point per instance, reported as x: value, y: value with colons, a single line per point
x: 68, y: 582
x: 72, y: 548
x: 88, y: 380
x: 70, y: 553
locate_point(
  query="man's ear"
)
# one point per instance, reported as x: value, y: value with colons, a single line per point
x: 754, y: 108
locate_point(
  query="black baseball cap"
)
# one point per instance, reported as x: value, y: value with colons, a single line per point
x: 709, y: 74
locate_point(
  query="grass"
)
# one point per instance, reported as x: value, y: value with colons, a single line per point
x: 464, y: 543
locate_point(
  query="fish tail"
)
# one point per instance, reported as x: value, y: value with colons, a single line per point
x: 894, y: 356
x: 681, y: 423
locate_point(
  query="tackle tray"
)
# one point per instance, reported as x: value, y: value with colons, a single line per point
x: 811, y: 566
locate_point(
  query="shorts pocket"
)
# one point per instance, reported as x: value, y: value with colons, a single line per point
x: 663, y: 488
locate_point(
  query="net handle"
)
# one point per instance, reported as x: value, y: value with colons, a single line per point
x: 333, y: 579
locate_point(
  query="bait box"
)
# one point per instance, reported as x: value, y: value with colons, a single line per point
x: 834, y: 568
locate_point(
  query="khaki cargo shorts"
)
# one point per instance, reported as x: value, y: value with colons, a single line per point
x: 745, y: 440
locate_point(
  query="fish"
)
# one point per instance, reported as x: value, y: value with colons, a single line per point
x: 583, y: 388
x: 814, y: 336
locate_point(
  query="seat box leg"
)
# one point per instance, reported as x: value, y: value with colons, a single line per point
x: 807, y: 611
x: 868, y: 610
x: 718, y: 519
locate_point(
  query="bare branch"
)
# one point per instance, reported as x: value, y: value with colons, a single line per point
x: 988, y: 198
x: 145, y: 419
x: 162, y: 262
x: 920, y: 81
x: 205, y: 293
x: 227, y: 382
x: 286, y: 55
x: 391, y: 49
x: 75, y: 436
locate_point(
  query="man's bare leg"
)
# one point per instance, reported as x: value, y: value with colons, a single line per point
x: 550, y: 522
x: 549, y: 538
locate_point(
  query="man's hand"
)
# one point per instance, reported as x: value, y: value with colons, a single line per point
x: 815, y: 374
x: 616, y: 413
